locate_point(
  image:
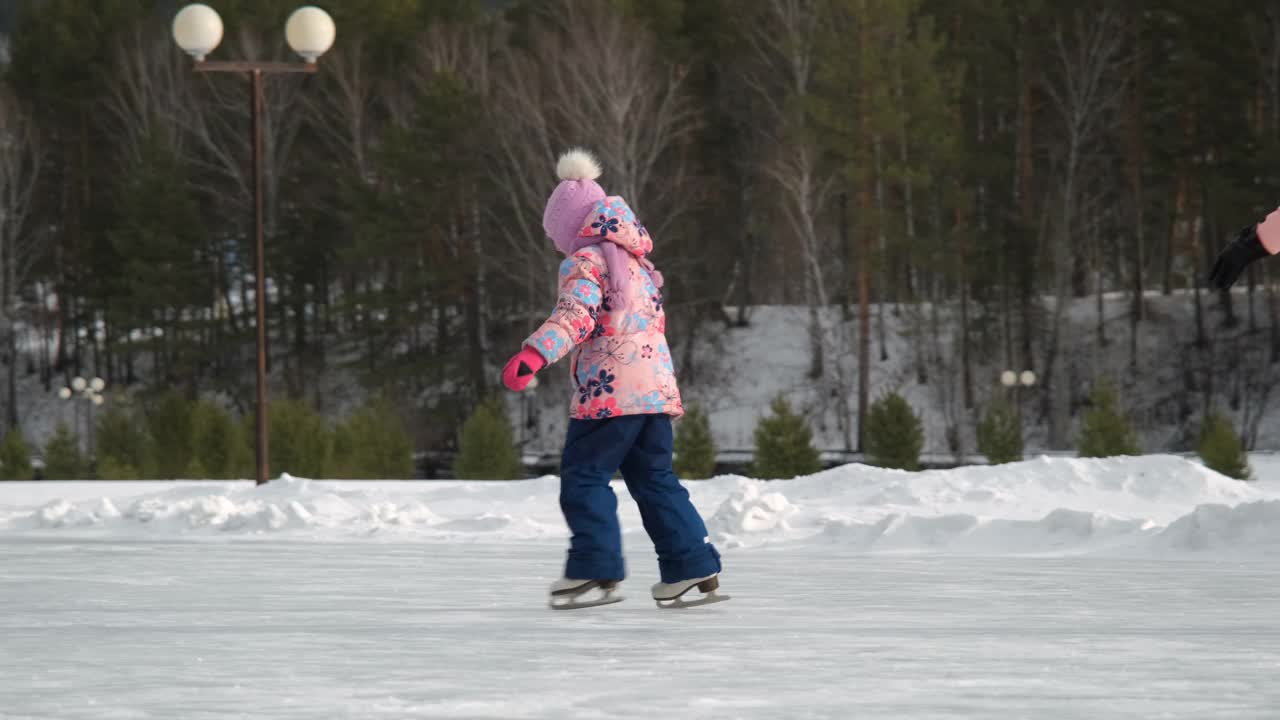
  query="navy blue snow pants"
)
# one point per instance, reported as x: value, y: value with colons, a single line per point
x: 639, y: 446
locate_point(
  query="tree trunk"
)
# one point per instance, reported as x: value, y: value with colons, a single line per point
x: 816, y: 366
x: 1253, y: 317
x: 1274, y: 316
x: 1025, y: 187
x: 1057, y: 378
x: 962, y: 250
x: 1135, y: 160
x: 908, y: 187
x: 481, y: 300
x: 744, y: 282
x: 1182, y: 216
x: 46, y: 341
x: 850, y: 257
x: 864, y: 241
x: 1099, y: 280
x: 883, y: 290
x: 13, y: 375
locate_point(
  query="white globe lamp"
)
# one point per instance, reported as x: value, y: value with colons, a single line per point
x: 65, y: 393
x: 98, y: 384
x: 1008, y: 378
x: 79, y: 384
x: 310, y: 32
x: 1028, y: 378
x: 198, y: 30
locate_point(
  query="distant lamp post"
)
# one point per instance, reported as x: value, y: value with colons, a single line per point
x: 1015, y: 381
x: 90, y: 392
x: 310, y: 32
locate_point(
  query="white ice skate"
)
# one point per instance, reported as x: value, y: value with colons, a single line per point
x: 670, y: 596
x: 572, y: 594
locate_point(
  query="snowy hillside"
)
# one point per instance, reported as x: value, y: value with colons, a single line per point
x: 738, y: 371
x: 1161, y: 505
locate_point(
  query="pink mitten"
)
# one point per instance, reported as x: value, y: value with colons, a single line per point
x: 521, y: 369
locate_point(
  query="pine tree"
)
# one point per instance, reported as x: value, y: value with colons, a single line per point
x: 15, y: 457
x: 300, y: 442
x: 244, y: 458
x: 169, y: 425
x: 195, y: 470
x: 214, y: 438
x: 695, y: 447
x: 894, y: 436
x: 486, y: 449
x: 784, y: 445
x: 373, y: 444
x: 62, y: 458
x: 1107, y: 432
x: 123, y: 449
x: 1000, y: 434
x: 112, y: 468
x: 1221, y: 449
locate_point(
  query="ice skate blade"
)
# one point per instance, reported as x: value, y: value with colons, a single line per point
x: 579, y: 605
x: 603, y: 591
x: 680, y: 603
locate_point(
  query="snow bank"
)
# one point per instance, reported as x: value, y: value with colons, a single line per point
x: 1249, y: 529
x: 289, y: 506
x: 1157, y: 505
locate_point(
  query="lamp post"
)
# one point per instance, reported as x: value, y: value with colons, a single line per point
x: 90, y: 391
x: 310, y: 32
x: 1015, y: 381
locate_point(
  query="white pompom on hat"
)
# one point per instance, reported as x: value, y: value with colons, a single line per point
x: 578, y: 164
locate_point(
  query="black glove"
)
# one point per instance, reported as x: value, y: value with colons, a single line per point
x: 1232, y: 261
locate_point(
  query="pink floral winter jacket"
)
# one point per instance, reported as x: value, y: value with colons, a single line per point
x: 621, y: 363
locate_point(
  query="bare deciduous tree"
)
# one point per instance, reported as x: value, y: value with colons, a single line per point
x: 1085, y: 83
x: 783, y: 39
x: 148, y: 93
x: 627, y: 105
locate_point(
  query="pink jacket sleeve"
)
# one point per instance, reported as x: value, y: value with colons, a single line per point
x: 1269, y: 232
x: 574, y: 318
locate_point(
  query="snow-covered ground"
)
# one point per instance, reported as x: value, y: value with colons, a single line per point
x: 1055, y: 588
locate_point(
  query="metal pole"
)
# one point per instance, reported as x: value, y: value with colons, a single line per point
x: 256, y: 70
x: 260, y: 298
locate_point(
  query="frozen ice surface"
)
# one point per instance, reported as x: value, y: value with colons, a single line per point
x: 366, y: 630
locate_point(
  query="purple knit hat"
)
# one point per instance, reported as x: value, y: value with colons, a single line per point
x: 573, y: 198
x: 566, y: 215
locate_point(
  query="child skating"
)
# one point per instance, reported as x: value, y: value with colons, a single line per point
x: 609, y: 318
